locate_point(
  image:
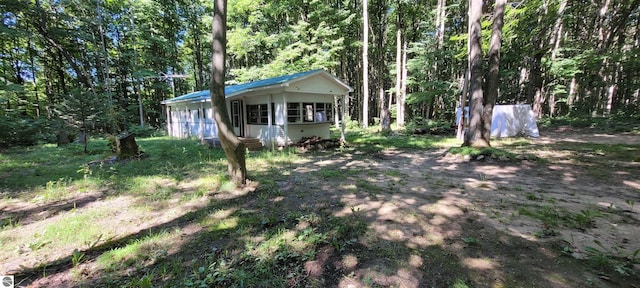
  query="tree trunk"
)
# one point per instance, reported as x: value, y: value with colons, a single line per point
x: 494, y: 68
x: 463, y: 103
x: 233, y: 148
x: 35, y: 77
x: 399, y: 118
x: 365, y: 64
x: 474, y: 136
x: 107, y: 78
x: 385, y: 117
x: 403, y: 85
x: 535, y: 92
x: 555, y: 41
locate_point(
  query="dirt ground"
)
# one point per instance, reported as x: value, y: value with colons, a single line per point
x: 491, y: 214
x: 481, y: 211
x: 569, y: 219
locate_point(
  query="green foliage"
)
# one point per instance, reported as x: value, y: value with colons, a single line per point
x: 20, y: 130
x: 145, y: 131
x: 549, y: 216
x: 303, y: 43
x: 586, y: 218
x: 77, y: 257
x: 620, y: 122
x: 612, y: 259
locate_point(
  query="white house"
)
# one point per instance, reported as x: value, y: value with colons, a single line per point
x: 278, y: 110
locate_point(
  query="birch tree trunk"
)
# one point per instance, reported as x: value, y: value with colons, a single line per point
x: 365, y: 64
x: 233, y: 148
x: 403, y: 84
x: 399, y: 116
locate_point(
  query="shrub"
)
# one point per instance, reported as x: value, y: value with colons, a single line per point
x: 19, y: 130
x: 145, y: 131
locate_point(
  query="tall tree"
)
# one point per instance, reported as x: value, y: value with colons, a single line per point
x: 494, y: 67
x: 381, y: 69
x: 399, y: 66
x: 474, y: 136
x: 365, y: 63
x: 233, y: 148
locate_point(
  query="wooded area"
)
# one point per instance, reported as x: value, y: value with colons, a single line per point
x: 104, y: 66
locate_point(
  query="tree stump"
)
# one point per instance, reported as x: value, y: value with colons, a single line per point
x: 126, y: 147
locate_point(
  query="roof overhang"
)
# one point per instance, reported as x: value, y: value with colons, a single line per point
x: 281, y: 82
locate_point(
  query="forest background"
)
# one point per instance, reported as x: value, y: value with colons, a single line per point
x: 105, y: 66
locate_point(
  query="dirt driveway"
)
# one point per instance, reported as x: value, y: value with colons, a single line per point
x: 506, y: 223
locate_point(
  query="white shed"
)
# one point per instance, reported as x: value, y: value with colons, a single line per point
x: 278, y: 110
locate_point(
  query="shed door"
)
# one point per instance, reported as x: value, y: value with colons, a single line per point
x: 237, y: 117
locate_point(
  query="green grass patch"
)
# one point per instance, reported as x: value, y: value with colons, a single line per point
x: 487, y: 152
x: 365, y: 185
x: 137, y: 252
x: 549, y: 216
x: 375, y: 142
x: 75, y: 227
x: 278, y: 253
x: 594, y: 152
x: 333, y: 174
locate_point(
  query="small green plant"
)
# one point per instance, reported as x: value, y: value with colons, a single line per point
x: 144, y: 282
x: 612, y: 258
x: 91, y: 244
x: 586, y: 218
x: 549, y: 216
x: 76, y: 257
x: 630, y: 203
x: 567, y: 251
x: 533, y: 197
x: 471, y: 240
x: 332, y: 174
x: 459, y: 283
x: 55, y: 190
x: 10, y: 221
x: 37, y: 244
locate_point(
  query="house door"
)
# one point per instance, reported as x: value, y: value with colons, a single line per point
x: 236, y: 118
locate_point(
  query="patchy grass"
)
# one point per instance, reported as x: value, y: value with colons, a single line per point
x: 488, y: 152
x: 74, y: 227
x: 376, y: 142
x: 361, y: 216
x: 137, y: 253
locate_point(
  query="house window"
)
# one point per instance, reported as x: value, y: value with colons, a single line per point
x: 293, y: 112
x: 258, y: 114
x: 309, y: 112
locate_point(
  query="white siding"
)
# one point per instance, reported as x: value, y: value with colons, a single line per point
x: 188, y: 120
x: 318, y: 84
